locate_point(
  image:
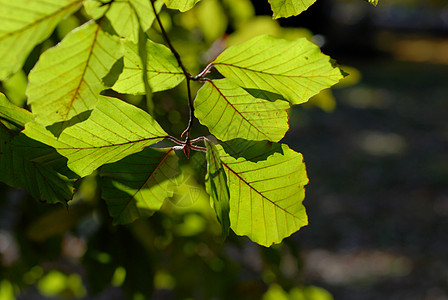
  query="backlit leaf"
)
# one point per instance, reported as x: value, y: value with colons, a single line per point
x: 266, y: 183
x: 24, y: 24
x: 297, y: 70
x: 162, y: 69
x: 125, y: 16
x: 287, y: 8
x: 24, y: 169
x: 182, y: 5
x: 114, y: 130
x: 373, y: 2
x: 231, y: 112
x: 216, y: 186
x: 67, y: 80
x: 137, y: 185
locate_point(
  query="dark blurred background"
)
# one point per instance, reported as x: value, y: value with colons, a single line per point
x: 378, y: 164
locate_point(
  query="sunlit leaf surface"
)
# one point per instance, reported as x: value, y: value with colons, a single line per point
x: 162, y: 69
x: 113, y: 131
x: 296, y: 70
x: 231, y: 112
x: 67, y: 80
x: 216, y: 186
x: 24, y: 24
x: 124, y: 15
x: 137, y: 185
x: 287, y: 8
x: 182, y: 5
x: 266, y: 183
x: 373, y: 2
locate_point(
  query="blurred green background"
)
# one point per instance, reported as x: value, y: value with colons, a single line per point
x: 376, y: 154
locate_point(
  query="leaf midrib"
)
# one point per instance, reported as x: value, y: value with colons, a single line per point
x: 144, y: 184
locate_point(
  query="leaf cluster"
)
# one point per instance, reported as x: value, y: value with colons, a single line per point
x: 80, y: 125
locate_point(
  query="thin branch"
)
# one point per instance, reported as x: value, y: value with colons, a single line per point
x: 167, y: 40
x: 173, y: 139
x: 198, y: 148
x: 191, y: 109
x: 184, y: 70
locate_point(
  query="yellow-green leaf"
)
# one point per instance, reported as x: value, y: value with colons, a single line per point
x: 114, y: 130
x: 24, y: 24
x: 137, y: 185
x: 67, y: 80
x: 182, y: 5
x: 373, y: 2
x: 125, y: 16
x: 216, y: 186
x: 231, y: 112
x: 287, y: 8
x: 266, y: 183
x: 162, y: 69
x: 297, y: 70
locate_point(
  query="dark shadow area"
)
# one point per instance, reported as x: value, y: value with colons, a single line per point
x: 251, y: 150
x: 266, y: 95
x: 57, y: 128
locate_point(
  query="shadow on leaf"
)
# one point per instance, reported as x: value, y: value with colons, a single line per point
x: 253, y: 151
x: 57, y: 128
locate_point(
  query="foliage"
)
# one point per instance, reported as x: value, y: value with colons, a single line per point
x: 90, y: 129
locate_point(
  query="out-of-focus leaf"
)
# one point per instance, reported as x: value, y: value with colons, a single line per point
x: 137, y: 185
x: 373, y: 2
x: 260, y: 25
x: 287, y: 8
x: 301, y: 71
x: 125, y: 16
x: 67, y: 79
x: 240, y: 11
x: 212, y: 19
x: 231, y: 112
x: 15, y: 88
x: 324, y: 100
x: 56, y: 222
x: 266, y: 183
x: 182, y: 5
x: 162, y: 69
x: 216, y: 186
x: 24, y: 25
x: 114, y: 130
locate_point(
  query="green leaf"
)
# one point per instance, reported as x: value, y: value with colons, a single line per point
x: 231, y: 112
x: 216, y: 186
x: 182, y: 5
x: 125, y: 16
x: 15, y: 88
x: 37, y: 178
x: 297, y: 70
x: 162, y: 69
x: 14, y: 114
x: 287, y: 8
x: 114, y: 130
x: 67, y: 79
x: 137, y: 185
x: 373, y: 2
x: 24, y: 25
x: 266, y: 183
